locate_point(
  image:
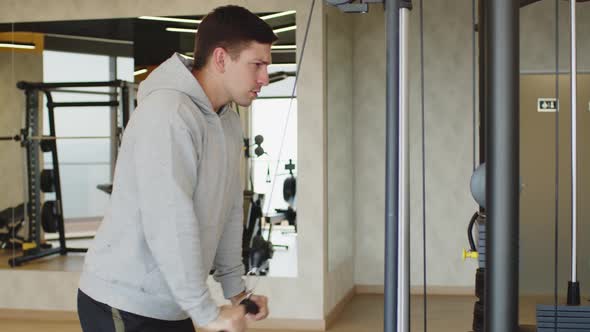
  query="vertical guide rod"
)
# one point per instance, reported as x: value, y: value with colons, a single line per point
x: 573, y: 71
x: 573, y: 287
x: 391, y: 165
x: 404, y: 178
x: 502, y: 181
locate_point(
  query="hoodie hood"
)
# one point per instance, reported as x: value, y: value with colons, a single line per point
x: 175, y: 74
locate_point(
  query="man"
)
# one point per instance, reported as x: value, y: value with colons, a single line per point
x: 176, y: 207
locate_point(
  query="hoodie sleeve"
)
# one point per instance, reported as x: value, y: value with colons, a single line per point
x: 166, y: 176
x: 229, y: 267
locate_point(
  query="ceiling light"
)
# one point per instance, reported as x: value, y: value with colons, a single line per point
x: 285, y: 29
x: 282, y: 64
x: 139, y: 72
x: 181, y: 30
x: 170, y: 19
x: 195, y: 30
x: 17, y: 45
x: 275, y: 15
x: 283, y: 47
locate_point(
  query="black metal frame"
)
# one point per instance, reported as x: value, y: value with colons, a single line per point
x: 33, y: 168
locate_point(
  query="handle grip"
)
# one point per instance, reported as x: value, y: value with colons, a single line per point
x: 251, y: 307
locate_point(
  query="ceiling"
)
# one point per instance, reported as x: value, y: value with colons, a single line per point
x: 146, y: 40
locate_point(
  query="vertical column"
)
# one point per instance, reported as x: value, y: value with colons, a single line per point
x: 573, y: 289
x: 502, y: 147
x: 392, y: 23
x: 404, y: 174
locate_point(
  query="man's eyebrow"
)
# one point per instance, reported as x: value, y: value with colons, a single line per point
x: 262, y: 61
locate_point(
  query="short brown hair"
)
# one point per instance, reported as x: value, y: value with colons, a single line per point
x: 230, y: 27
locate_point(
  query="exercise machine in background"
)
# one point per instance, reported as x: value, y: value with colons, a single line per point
x: 256, y: 249
x: 11, y: 221
x: 48, y: 215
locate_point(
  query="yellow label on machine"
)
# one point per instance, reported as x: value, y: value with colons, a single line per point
x: 470, y: 254
x: 29, y: 245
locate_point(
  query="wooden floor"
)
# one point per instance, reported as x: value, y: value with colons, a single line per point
x: 73, y: 262
x: 363, y: 314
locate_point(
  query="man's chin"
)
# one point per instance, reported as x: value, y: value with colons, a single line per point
x: 244, y: 103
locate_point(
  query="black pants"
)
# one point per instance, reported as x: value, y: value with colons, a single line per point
x: 100, y: 317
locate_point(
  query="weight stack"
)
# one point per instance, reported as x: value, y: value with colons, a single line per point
x: 562, y: 318
x: 481, y: 241
x: 478, y: 307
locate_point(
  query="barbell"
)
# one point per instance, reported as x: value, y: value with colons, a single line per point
x: 18, y: 138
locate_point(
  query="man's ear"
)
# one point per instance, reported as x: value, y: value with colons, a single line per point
x: 219, y: 58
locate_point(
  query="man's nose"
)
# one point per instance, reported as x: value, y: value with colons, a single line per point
x: 263, y: 79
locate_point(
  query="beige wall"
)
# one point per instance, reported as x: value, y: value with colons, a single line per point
x: 537, y: 208
x: 306, y: 291
x: 537, y: 205
x: 448, y: 107
x: 448, y: 87
x: 537, y: 45
x: 340, y: 156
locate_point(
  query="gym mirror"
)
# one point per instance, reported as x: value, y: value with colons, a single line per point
x: 86, y: 122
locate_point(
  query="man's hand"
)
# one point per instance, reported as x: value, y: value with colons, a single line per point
x: 235, y: 300
x: 230, y: 319
x: 262, y: 302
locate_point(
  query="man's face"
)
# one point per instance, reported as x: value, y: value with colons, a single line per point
x: 247, y: 74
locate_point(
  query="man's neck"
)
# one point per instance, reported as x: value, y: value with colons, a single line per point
x: 212, y: 88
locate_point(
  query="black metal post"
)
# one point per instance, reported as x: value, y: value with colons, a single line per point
x: 392, y: 165
x: 56, y: 175
x: 84, y: 104
x: 502, y: 147
x: 33, y: 209
x: 34, y: 178
x: 125, y: 106
x: 44, y: 86
x: 480, y: 275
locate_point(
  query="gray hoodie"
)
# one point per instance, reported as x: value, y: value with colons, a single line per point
x: 176, y: 208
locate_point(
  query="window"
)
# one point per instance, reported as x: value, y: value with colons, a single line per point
x: 272, y: 119
x: 84, y: 163
x: 274, y: 116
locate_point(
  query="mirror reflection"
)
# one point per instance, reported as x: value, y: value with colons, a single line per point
x: 63, y: 128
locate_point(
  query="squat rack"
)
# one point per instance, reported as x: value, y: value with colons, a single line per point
x: 31, y: 140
